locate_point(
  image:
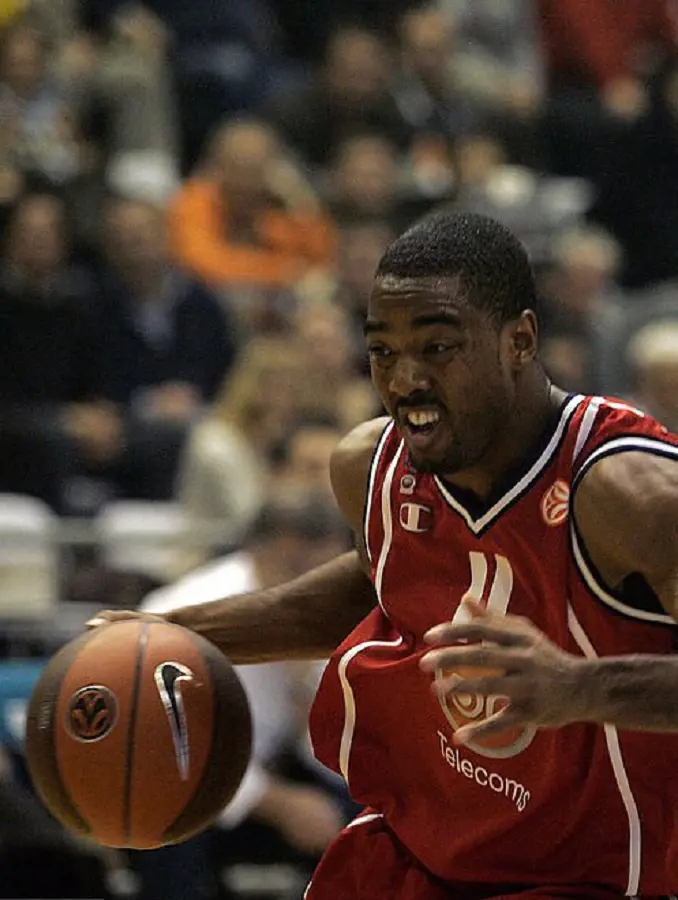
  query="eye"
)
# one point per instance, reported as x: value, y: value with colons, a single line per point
x: 379, y: 351
x: 437, y: 348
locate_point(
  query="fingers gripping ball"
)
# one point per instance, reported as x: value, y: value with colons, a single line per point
x: 138, y: 734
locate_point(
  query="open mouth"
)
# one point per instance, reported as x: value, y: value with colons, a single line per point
x: 420, y: 426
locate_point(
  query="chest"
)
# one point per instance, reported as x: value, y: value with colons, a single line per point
x: 428, y: 552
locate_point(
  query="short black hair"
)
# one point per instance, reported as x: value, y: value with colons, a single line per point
x: 491, y: 262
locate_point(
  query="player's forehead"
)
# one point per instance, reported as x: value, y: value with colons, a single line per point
x: 397, y: 303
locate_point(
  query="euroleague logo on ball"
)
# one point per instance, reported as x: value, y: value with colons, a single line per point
x: 92, y: 713
x: 555, y: 504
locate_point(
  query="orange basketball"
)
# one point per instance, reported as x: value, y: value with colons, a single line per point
x: 138, y: 734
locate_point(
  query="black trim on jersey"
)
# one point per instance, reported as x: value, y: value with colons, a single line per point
x: 371, y: 478
x: 563, y: 421
x: 646, y: 609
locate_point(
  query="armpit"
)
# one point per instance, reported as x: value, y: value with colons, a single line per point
x: 625, y: 520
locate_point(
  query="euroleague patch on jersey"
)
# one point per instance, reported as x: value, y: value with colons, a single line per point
x: 555, y: 504
x: 416, y: 518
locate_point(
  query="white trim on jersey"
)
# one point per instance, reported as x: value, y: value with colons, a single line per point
x: 364, y: 819
x: 586, y: 425
x: 477, y: 525
x: 591, y: 580
x: 387, y: 523
x: 628, y: 443
x: 597, y: 589
x: 349, y: 700
x: 618, y: 767
x: 376, y: 456
x: 347, y: 690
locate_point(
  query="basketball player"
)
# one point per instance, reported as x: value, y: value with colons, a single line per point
x: 501, y: 640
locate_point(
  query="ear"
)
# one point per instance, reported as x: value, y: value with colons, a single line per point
x: 522, y: 334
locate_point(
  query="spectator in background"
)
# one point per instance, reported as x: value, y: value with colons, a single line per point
x: 638, y: 198
x: 225, y: 57
x: 427, y: 92
x: 39, y: 133
x: 224, y: 474
x: 334, y: 384
x: 361, y: 246
x: 55, y: 419
x: 575, y: 289
x: 307, y: 26
x: 168, y: 346
x: 249, y: 219
x: 498, y: 66
x: 111, y: 60
x: 597, y: 58
x: 293, y: 532
x: 498, y: 58
x: 365, y: 180
x: 111, y: 69
x: 652, y: 355
x: 306, y: 456
x: 350, y: 94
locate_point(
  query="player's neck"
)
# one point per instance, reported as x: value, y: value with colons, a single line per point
x: 538, y: 407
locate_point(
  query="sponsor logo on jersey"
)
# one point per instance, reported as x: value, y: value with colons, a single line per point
x: 92, y: 713
x: 465, y: 709
x: 491, y: 578
x: 555, y: 504
x: 415, y: 517
x: 509, y: 788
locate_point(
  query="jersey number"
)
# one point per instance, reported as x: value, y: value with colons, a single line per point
x: 502, y: 584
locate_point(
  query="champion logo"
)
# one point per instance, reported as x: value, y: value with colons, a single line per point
x: 555, y: 504
x: 416, y: 518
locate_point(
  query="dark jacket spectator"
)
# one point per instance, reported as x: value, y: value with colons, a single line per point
x: 183, y: 338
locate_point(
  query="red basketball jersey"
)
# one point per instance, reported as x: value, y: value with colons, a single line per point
x: 579, y: 804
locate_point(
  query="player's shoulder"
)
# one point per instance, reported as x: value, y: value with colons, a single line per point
x: 628, y: 473
x: 350, y: 467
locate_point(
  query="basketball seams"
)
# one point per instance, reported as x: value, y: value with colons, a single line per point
x: 131, y: 731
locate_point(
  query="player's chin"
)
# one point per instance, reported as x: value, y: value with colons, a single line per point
x: 432, y: 460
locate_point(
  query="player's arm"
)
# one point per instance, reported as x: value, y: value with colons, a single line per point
x: 310, y: 616
x: 626, y: 510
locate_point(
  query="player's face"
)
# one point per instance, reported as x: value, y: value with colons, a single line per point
x: 441, y: 367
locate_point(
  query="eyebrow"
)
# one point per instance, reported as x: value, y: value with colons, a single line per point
x: 451, y: 319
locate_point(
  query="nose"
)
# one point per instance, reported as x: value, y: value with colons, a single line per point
x: 407, y: 376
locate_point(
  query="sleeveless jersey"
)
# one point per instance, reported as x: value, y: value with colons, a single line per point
x: 580, y: 804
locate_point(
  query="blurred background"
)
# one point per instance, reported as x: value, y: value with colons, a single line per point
x: 193, y: 199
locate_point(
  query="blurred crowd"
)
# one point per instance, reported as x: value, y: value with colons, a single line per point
x: 193, y: 199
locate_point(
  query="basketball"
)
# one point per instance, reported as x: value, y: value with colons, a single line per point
x: 138, y: 734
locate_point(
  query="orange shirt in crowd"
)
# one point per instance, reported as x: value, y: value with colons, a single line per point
x: 289, y: 243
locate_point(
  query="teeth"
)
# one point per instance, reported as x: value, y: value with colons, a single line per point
x: 419, y: 418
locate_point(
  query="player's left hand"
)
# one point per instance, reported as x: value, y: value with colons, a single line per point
x: 544, y: 685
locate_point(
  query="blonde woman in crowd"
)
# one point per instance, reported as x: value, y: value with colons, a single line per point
x: 224, y: 472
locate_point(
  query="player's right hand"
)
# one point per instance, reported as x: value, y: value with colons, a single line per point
x: 109, y: 616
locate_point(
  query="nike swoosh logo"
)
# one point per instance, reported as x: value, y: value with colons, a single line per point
x: 168, y: 678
